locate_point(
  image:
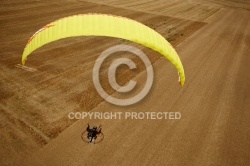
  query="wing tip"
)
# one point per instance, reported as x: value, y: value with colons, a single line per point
x: 181, y: 81
x: 23, y: 60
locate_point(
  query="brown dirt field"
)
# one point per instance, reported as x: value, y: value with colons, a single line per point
x: 213, y: 43
x: 177, y: 8
x: 241, y: 4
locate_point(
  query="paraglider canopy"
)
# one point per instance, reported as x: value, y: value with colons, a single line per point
x: 104, y: 25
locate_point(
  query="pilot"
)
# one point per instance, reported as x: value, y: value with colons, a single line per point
x: 92, y: 133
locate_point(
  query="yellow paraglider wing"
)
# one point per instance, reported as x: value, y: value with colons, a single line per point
x: 104, y: 25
